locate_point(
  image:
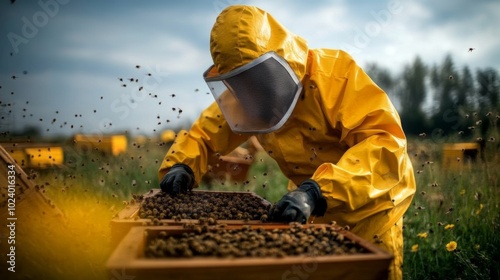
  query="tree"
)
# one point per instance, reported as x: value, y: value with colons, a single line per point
x: 412, y: 94
x: 488, y: 96
x: 444, y: 79
x: 465, y: 93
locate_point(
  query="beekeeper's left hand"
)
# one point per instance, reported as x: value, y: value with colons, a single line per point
x: 299, y: 204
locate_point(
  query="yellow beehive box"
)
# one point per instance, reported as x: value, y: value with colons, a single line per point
x: 167, y: 136
x: 456, y: 154
x: 35, y: 155
x: 45, y: 156
x: 107, y: 144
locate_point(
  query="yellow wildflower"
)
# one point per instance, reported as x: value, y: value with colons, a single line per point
x: 462, y: 192
x: 449, y: 226
x: 477, y: 247
x: 481, y: 206
x: 422, y: 235
x: 452, y: 246
x: 414, y: 248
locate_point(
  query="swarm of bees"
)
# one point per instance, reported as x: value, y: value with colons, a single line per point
x: 248, y: 242
x: 205, y: 205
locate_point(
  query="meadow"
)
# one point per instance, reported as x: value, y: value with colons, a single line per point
x: 451, y: 229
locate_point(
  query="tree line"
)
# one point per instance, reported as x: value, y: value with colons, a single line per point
x: 441, y: 98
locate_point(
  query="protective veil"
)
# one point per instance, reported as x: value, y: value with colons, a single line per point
x: 344, y: 133
x: 257, y: 97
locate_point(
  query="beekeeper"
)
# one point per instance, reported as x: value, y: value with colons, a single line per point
x: 331, y: 129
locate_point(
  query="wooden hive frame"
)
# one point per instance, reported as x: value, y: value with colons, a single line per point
x: 21, y: 203
x: 128, y: 217
x: 129, y: 258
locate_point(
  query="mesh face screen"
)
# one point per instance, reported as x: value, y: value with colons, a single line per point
x: 259, y: 96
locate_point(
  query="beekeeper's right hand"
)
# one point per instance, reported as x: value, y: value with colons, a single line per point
x: 179, y: 179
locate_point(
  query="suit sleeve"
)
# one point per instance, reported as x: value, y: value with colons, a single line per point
x: 375, y: 173
x: 209, y: 135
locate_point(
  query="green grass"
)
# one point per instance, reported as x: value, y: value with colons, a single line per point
x: 460, y: 205
x: 95, y: 187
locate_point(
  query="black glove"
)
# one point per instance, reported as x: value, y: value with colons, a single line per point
x: 178, y: 179
x: 299, y: 204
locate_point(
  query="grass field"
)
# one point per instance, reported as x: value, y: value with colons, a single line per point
x: 451, y: 230
x: 451, y: 207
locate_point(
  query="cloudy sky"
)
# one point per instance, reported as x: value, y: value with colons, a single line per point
x: 61, y: 60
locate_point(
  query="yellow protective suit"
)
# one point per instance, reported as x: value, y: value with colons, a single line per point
x: 344, y: 133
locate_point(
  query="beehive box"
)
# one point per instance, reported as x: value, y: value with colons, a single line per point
x: 131, y: 215
x: 235, y: 166
x: 35, y: 155
x: 106, y: 144
x: 132, y: 257
x: 455, y: 155
x: 232, y: 168
x: 167, y: 136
